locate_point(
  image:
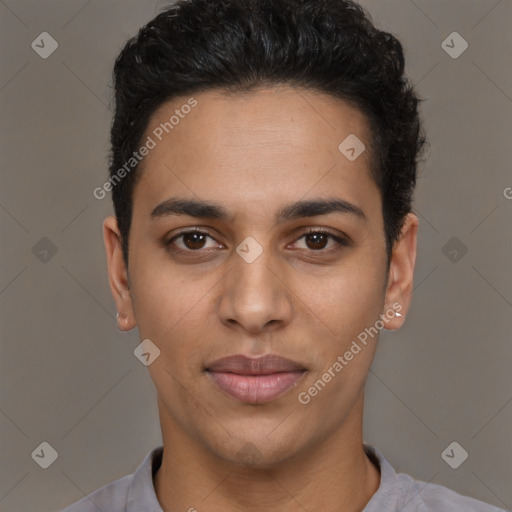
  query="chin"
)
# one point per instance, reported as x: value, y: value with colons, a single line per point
x: 255, y: 449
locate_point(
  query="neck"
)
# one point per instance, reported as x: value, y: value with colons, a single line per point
x: 332, y: 474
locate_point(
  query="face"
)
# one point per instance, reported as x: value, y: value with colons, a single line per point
x: 257, y: 258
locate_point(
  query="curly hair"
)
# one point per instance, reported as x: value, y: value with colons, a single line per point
x: 328, y: 46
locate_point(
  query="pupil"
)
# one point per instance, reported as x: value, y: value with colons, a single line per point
x: 318, y: 240
x: 194, y: 240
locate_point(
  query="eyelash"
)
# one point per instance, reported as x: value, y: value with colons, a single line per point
x: 340, y: 241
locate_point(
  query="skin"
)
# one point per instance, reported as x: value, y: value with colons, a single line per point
x: 253, y: 154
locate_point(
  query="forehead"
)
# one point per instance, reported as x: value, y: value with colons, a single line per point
x: 254, y: 146
x: 269, y: 114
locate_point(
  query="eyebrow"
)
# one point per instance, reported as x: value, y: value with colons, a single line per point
x: 300, y: 209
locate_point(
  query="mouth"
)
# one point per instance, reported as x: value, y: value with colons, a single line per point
x: 255, y: 380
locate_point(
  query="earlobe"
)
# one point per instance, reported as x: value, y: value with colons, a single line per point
x: 123, y: 322
x: 401, y: 273
x: 118, y: 275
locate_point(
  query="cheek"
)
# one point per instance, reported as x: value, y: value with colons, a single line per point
x: 169, y: 310
x: 345, y: 300
x: 165, y: 298
x: 346, y: 309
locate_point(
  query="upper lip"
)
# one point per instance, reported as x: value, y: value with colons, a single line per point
x: 264, y: 365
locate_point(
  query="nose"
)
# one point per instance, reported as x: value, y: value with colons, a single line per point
x: 254, y: 296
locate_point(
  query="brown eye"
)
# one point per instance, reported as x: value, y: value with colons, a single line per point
x: 316, y: 241
x: 321, y: 241
x: 194, y: 241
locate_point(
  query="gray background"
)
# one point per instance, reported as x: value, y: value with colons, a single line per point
x: 70, y: 378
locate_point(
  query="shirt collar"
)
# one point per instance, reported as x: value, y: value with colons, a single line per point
x: 386, y: 497
x: 142, y: 496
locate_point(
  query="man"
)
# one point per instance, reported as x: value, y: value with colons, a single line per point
x: 264, y: 160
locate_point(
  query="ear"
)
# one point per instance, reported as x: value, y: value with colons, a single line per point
x: 401, y: 271
x: 118, y: 274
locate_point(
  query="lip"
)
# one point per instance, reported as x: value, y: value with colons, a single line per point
x: 255, y: 380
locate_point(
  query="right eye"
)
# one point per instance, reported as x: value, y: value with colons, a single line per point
x: 190, y: 241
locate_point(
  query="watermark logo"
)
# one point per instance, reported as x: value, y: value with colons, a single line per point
x: 147, y: 352
x: 454, y: 250
x: 150, y: 144
x: 249, y: 250
x: 454, y: 45
x: 45, y: 455
x: 44, y: 250
x: 352, y: 148
x: 44, y: 45
x: 249, y: 454
x: 454, y: 455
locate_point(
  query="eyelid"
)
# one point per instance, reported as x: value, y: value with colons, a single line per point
x: 325, y: 231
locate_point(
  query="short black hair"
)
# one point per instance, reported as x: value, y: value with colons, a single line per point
x: 329, y: 46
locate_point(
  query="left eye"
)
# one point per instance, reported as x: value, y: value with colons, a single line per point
x: 319, y: 240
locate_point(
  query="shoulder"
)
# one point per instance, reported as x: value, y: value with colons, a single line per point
x: 111, y: 497
x: 420, y: 496
x: 401, y: 492
x: 131, y: 493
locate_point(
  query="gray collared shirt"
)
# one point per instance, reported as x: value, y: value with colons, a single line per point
x: 397, y: 492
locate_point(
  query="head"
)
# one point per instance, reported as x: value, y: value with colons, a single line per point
x: 285, y: 133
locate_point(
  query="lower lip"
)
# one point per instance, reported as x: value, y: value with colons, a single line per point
x: 256, y: 389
